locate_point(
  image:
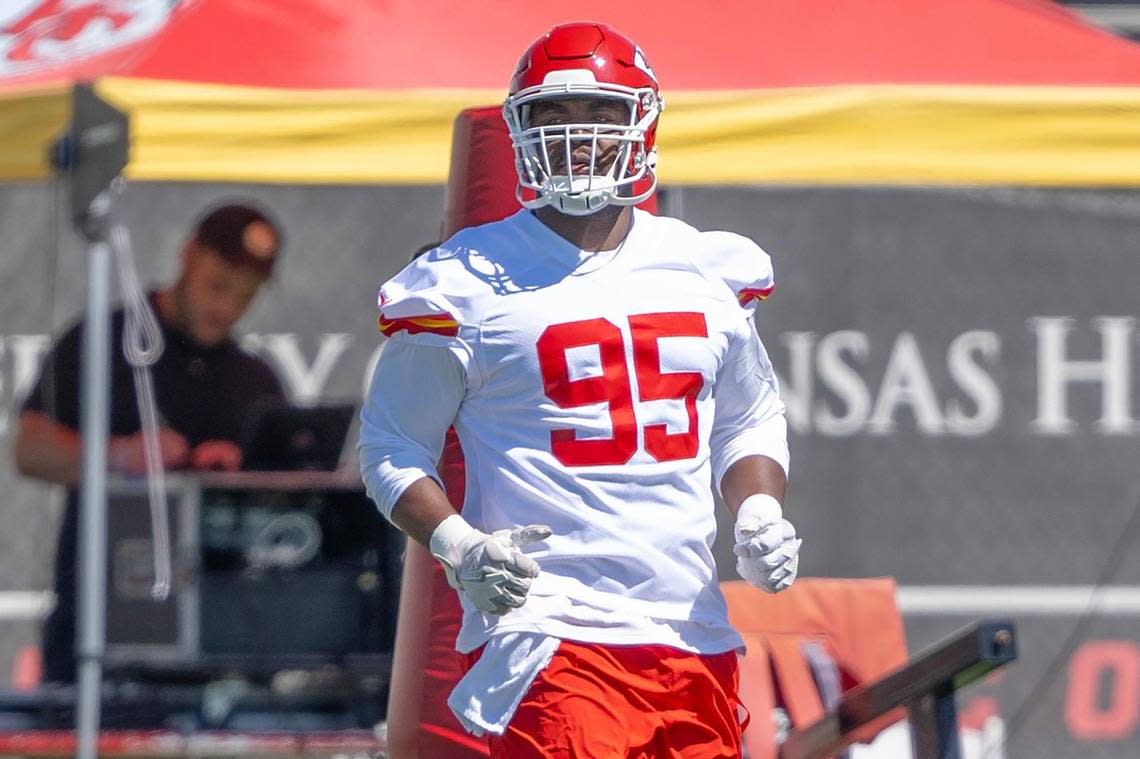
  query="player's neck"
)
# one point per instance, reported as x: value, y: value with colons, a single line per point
x: 603, y: 230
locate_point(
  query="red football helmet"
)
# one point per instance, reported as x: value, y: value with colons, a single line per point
x: 584, y: 60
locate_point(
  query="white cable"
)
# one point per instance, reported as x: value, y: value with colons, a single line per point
x: 142, y: 347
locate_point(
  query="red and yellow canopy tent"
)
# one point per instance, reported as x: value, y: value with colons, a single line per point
x: 1015, y: 92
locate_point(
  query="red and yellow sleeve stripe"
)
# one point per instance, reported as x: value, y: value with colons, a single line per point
x: 439, y: 324
x: 749, y: 294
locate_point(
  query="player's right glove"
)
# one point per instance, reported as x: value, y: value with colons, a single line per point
x: 767, y: 550
x: 489, y: 569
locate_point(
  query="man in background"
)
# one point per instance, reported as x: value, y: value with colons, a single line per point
x: 207, y: 390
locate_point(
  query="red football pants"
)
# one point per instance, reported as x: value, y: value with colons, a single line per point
x: 627, y: 702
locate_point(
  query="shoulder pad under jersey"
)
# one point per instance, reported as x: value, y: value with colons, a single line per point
x: 740, y: 263
x: 429, y: 296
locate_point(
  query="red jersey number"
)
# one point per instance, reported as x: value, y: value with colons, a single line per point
x: 613, y: 387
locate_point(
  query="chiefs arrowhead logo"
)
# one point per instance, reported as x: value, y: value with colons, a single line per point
x: 642, y: 63
x: 41, y: 34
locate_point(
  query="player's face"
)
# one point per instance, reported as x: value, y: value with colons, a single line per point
x: 213, y: 294
x: 581, y: 111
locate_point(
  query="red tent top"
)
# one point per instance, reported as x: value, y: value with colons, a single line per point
x: 396, y: 44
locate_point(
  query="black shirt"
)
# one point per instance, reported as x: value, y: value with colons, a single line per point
x: 203, y: 393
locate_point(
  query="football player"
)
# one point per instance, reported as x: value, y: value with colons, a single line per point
x: 601, y: 367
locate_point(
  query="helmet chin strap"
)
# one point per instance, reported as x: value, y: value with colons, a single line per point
x: 587, y: 202
x: 584, y: 201
x: 582, y: 204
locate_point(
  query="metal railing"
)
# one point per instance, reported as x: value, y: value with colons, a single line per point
x: 926, y: 686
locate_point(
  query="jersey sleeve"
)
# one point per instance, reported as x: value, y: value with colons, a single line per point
x: 426, y: 369
x: 741, y: 264
x: 429, y: 303
x: 413, y: 397
x: 749, y: 415
x: 417, y: 302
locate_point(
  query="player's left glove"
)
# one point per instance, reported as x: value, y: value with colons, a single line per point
x: 767, y: 550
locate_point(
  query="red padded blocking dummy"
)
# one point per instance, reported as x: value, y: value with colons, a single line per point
x: 480, y: 189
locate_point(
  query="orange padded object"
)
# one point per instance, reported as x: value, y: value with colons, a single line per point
x: 856, y: 621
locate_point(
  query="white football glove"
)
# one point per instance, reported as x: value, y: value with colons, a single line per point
x: 489, y: 569
x: 767, y: 550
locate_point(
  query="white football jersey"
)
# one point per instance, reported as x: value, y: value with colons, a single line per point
x: 599, y: 394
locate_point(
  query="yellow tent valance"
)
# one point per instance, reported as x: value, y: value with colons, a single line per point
x: 871, y: 134
x: 28, y: 124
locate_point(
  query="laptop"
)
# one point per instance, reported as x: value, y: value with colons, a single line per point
x: 288, y: 438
